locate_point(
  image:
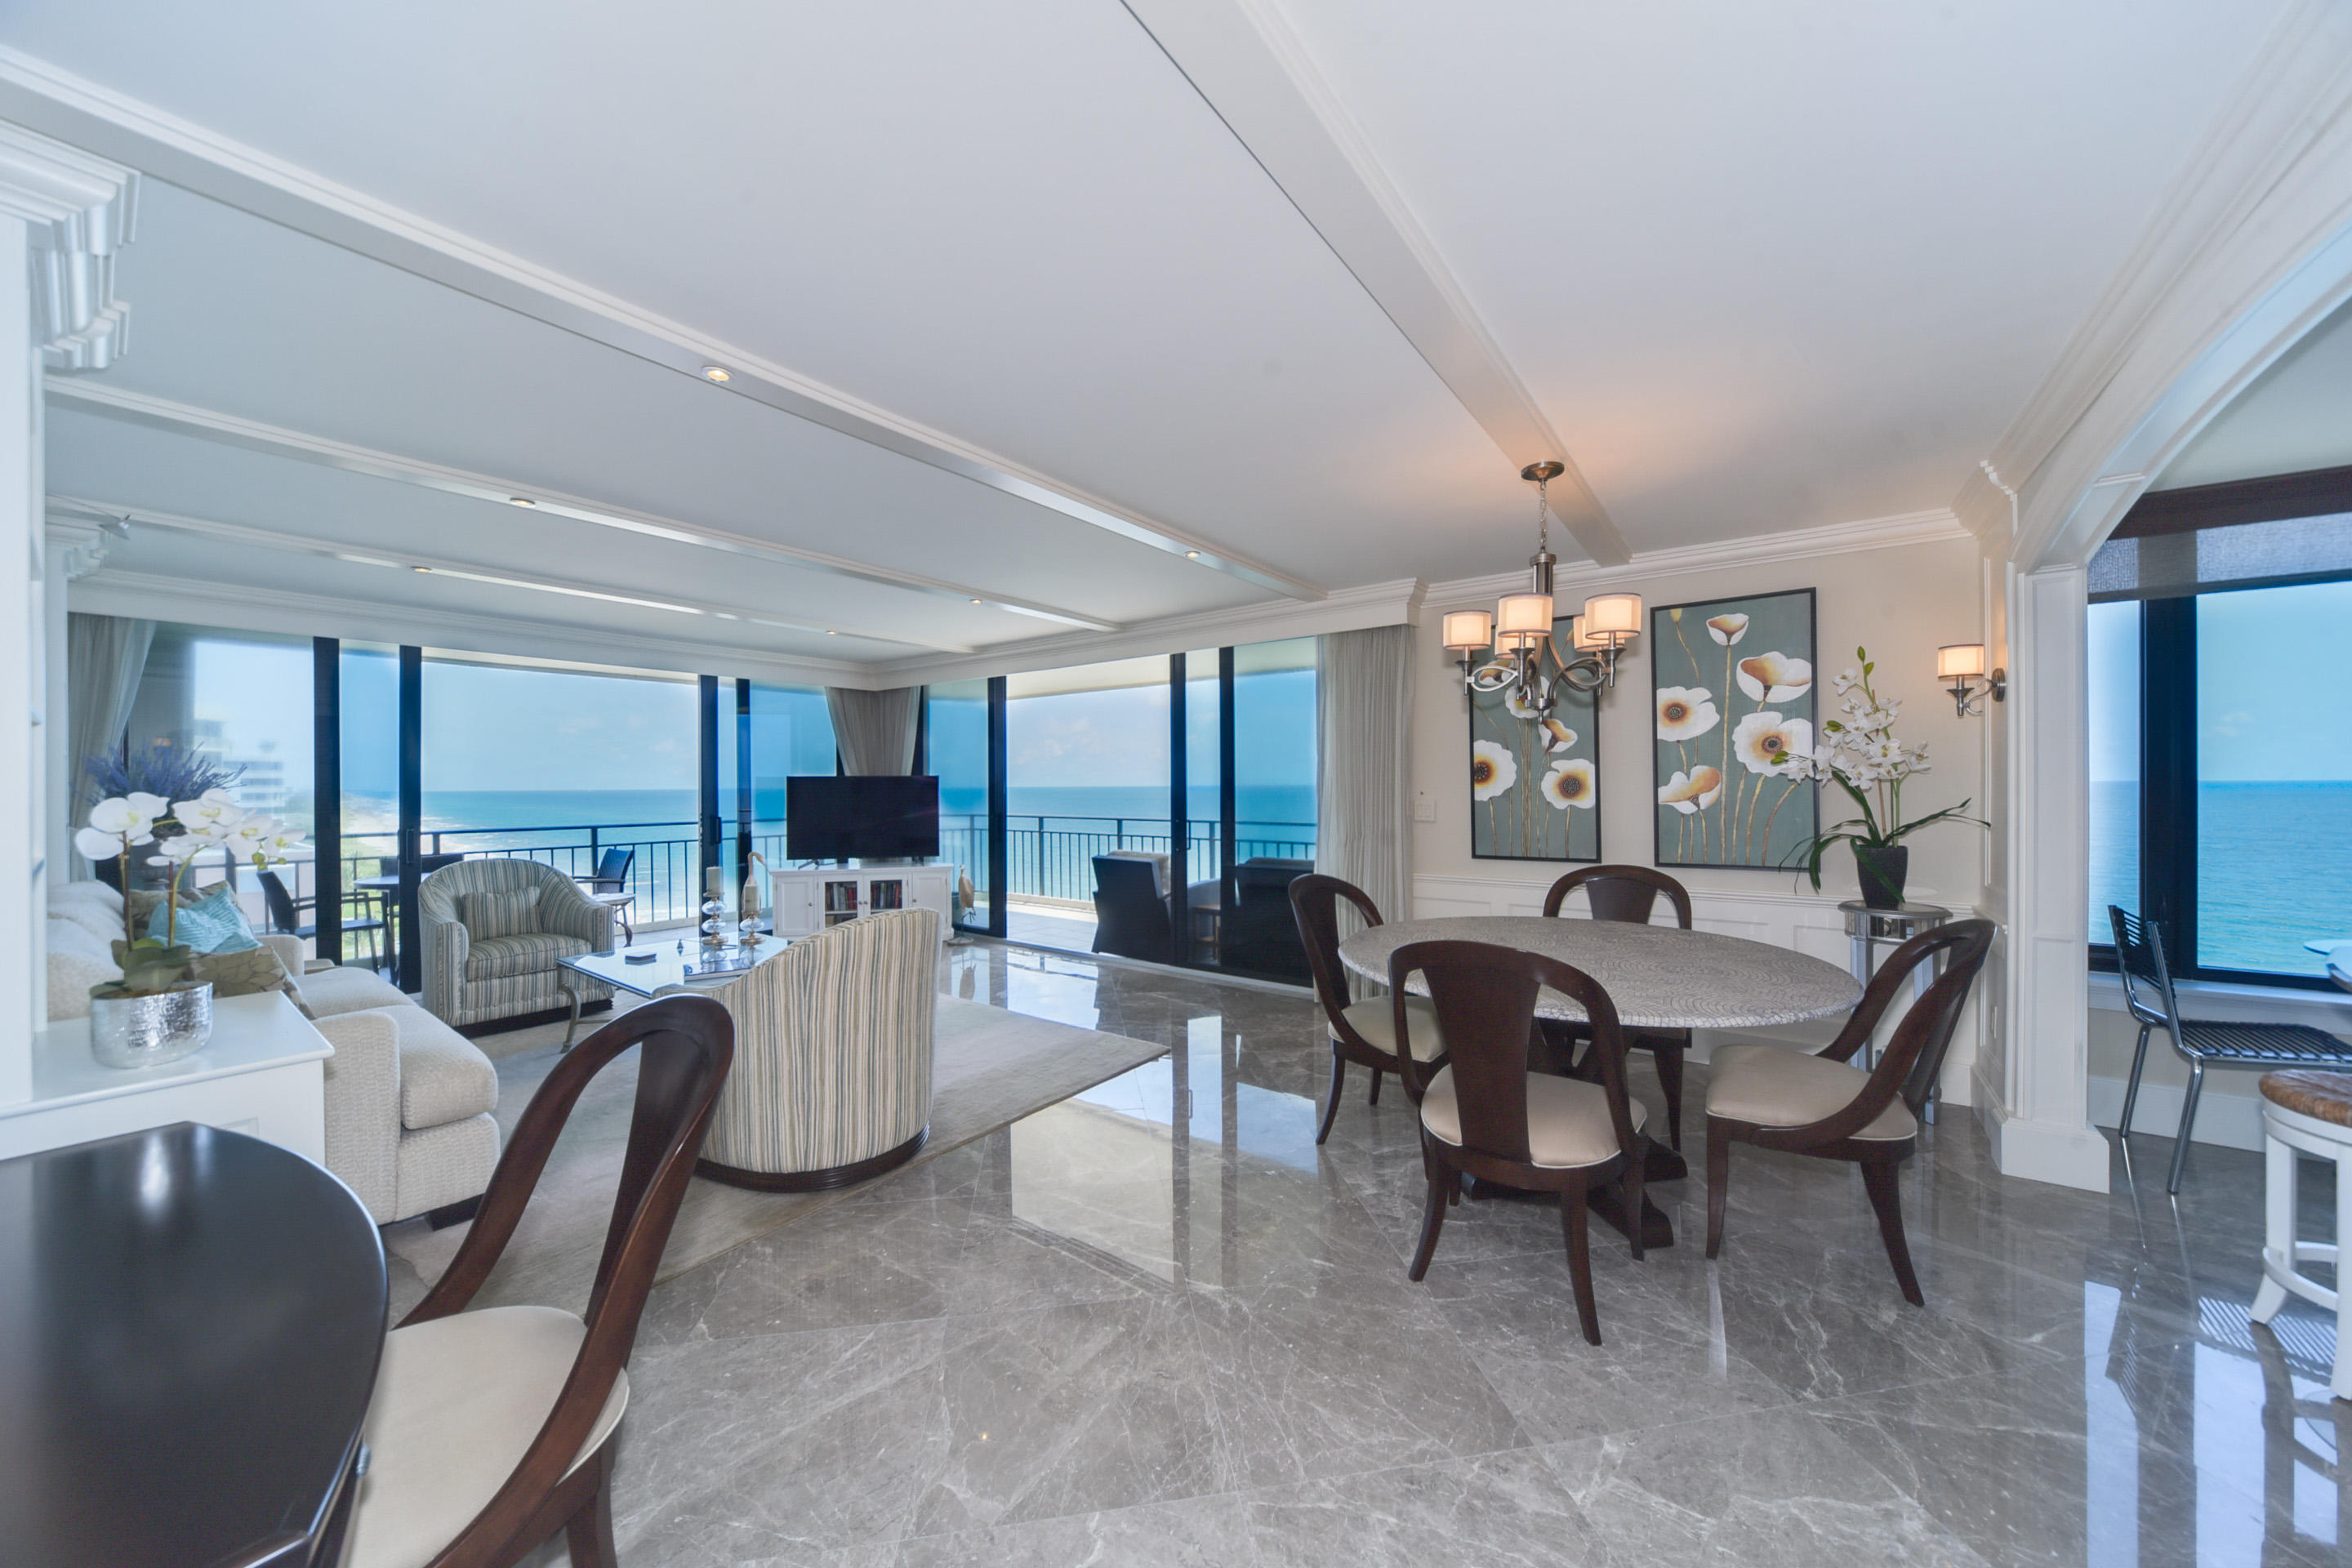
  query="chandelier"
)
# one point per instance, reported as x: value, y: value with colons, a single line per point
x: 1527, y: 660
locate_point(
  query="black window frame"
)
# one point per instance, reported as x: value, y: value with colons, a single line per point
x: 2167, y: 705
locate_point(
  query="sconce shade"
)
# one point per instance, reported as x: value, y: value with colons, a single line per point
x: 1618, y: 614
x: 1524, y: 613
x: 1467, y: 629
x: 1957, y: 661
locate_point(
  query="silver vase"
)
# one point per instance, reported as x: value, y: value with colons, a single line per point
x: 141, y: 1031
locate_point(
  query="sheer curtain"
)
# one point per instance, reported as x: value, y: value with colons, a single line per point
x: 1363, y: 709
x: 875, y: 730
x: 105, y: 655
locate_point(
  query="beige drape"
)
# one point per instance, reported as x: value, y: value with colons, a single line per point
x: 105, y: 655
x: 1363, y: 709
x: 875, y: 731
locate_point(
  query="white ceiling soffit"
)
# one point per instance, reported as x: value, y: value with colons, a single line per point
x: 2296, y: 416
x: 404, y: 557
x: 162, y: 414
x: 36, y: 94
x: 1248, y: 64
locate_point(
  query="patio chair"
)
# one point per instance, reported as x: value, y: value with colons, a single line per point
x: 2203, y: 1043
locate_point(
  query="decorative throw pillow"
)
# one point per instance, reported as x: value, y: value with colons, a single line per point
x: 246, y: 973
x: 142, y: 904
x: 499, y: 914
x: 212, y: 923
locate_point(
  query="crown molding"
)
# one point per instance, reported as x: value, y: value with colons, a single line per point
x: 242, y: 607
x: 92, y: 512
x: 77, y: 210
x: 38, y: 94
x: 2250, y: 247
x: 72, y: 549
x: 230, y: 429
x: 1341, y: 610
x: 1257, y: 75
x: 1934, y: 527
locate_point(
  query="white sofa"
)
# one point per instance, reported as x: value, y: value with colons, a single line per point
x: 409, y: 1100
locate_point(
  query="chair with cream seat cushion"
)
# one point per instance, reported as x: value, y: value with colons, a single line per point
x: 1628, y: 894
x: 492, y: 1429
x: 1361, y: 1032
x: 1484, y: 1115
x: 1823, y: 1105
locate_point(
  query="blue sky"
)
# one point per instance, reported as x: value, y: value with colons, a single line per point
x: 1114, y: 738
x: 2273, y: 669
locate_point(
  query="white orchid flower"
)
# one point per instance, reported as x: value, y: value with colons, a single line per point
x: 207, y: 815
x: 178, y: 851
x: 1847, y: 681
x: 130, y: 819
x: 97, y: 845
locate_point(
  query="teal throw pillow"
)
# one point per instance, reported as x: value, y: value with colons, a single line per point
x: 211, y: 924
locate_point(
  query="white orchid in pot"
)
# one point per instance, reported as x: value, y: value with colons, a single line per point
x: 1859, y: 754
x: 158, y: 1011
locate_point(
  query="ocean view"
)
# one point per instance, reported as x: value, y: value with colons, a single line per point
x: 1053, y: 832
x: 2275, y: 870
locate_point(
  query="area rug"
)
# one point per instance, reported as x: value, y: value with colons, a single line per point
x: 989, y: 1068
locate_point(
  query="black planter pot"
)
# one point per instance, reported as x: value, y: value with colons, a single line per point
x: 1882, y: 873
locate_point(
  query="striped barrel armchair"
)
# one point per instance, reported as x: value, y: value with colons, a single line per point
x: 831, y: 1081
x: 493, y: 933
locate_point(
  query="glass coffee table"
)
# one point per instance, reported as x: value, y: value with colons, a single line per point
x: 645, y: 969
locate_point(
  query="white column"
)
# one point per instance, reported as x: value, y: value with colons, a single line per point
x: 2038, y: 1110
x: 62, y: 214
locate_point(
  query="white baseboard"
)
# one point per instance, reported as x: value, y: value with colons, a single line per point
x: 2228, y: 1121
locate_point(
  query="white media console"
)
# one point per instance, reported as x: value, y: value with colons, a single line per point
x: 808, y: 900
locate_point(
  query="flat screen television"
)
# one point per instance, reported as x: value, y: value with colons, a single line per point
x: 867, y: 818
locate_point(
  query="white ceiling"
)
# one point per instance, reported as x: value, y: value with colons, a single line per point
x: 1761, y: 267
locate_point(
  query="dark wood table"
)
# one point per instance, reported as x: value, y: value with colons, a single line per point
x: 190, y: 1321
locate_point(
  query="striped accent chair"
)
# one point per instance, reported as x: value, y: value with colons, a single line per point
x: 832, y: 1082
x: 493, y: 931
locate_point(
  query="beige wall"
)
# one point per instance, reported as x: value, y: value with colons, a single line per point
x: 1901, y: 603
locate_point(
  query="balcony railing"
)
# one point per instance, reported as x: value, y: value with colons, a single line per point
x: 1048, y: 857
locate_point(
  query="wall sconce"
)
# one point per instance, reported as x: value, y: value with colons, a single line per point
x: 1963, y: 664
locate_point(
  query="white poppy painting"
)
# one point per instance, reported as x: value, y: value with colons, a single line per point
x: 1534, y: 776
x: 1733, y: 705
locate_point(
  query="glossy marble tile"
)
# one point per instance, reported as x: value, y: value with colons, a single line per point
x: 1157, y: 1324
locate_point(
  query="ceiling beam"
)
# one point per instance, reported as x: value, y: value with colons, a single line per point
x: 230, y: 429
x: 406, y: 559
x: 1253, y: 71
x: 40, y: 95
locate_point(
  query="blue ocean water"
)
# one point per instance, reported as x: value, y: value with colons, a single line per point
x: 2275, y: 869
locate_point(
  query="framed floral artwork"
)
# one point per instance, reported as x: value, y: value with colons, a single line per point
x: 1534, y: 784
x: 1733, y: 690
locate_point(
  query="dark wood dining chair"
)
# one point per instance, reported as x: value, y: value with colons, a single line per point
x: 1364, y: 1033
x: 1822, y: 1104
x: 1484, y: 1115
x: 1629, y: 894
x: 493, y: 1429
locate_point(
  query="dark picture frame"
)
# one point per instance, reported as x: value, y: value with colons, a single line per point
x: 1527, y: 814
x: 1725, y: 685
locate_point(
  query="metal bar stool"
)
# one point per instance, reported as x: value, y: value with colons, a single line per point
x: 2306, y: 1112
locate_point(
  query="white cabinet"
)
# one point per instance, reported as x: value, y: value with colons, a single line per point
x: 806, y: 901
x: 263, y: 1072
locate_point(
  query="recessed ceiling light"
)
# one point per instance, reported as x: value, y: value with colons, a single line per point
x: 420, y: 568
x: 718, y: 374
x: 833, y: 634
x: 975, y: 601
x: 521, y: 500
x: 1191, y: 555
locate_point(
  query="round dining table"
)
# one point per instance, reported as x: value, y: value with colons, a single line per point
x: 1659, y: 977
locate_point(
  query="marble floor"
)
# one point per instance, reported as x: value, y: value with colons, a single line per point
x: 1157, y: 1325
